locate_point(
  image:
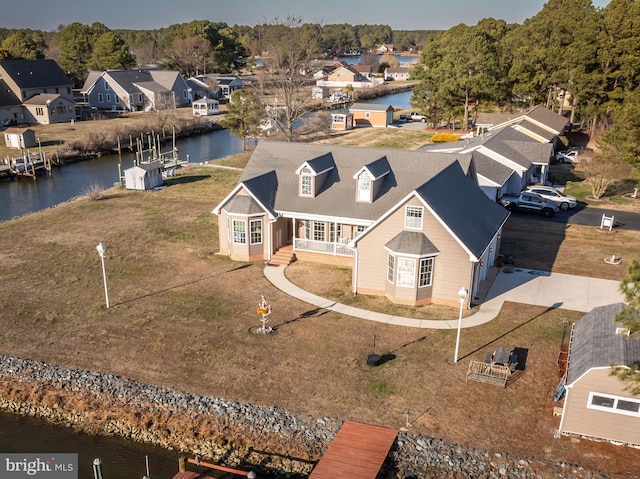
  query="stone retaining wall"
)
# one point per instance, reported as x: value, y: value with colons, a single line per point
x: 269, y: 440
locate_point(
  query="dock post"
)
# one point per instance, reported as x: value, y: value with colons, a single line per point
x: 182, y: 464
x: 97, y: 468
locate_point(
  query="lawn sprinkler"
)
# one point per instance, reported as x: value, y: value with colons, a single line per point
x: 264, y: 310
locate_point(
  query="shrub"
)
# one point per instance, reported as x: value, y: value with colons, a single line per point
x: 444, y: 138
x: 94, y: 192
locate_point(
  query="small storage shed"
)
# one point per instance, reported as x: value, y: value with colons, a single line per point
x: 372, y: 114
x: 206, y: 107
x: 144, y: 176
x: 19, y: 138
x: 319, y: 92
x: 341, y: 121
x: 597, y: 405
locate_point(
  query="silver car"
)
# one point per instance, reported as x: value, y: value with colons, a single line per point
x: 554, y: 195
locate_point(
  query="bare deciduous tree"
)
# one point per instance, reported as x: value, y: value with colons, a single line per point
x: 603, y: 174
x: 290, y: 45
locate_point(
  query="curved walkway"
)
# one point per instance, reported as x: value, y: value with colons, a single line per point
x: 553, y: 290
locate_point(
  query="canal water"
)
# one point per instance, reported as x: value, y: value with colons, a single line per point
x: 24, y: 195
x: 121, y: 459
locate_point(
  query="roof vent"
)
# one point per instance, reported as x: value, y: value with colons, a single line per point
x: 623, y: 331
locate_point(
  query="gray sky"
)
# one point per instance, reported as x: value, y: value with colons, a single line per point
x: 150, y: 14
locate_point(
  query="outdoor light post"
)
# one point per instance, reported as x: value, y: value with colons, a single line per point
x: 462, y: 296
x: 101, y: 249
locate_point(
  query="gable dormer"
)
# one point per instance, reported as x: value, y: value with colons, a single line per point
x: 369, y: 180
x: 312, y: 175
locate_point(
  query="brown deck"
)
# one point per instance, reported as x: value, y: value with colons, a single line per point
x: 357, y: 452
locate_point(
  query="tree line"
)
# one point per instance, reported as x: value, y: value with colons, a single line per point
x: 570, y: 50
x: 197, y: 47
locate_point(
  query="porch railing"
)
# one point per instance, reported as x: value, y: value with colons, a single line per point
x: 325, y: 247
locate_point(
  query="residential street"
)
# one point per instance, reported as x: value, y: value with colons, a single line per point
x: 585, y: 216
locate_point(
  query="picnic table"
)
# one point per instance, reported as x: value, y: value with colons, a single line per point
x: 501, y: 356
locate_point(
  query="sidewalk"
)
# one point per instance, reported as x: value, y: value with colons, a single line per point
x: 538, y: 288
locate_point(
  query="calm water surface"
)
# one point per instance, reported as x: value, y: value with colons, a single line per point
x: 22, y: 196
x: 121, y: 459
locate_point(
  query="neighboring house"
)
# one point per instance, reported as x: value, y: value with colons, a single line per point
x: 500, y: 151
x: 205, y: 107
x: 597, y: 405
x: 342, y: 121
x: 372, y: 114
x: 413, y: 226
x: 227, y: 84
x: 385, y: 48
x: 135, y: 90
x: 347, y: 75
x: 48, y: 108
x: 365, y: 71
x: 398, y: 74
x: 144, y: 176
x: 19, y: 138
x: 538, y: 123
x: 27, y: 85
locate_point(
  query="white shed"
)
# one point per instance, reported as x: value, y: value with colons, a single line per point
x: 145, y: 176
x: 19, y: 138
x: 205, y: 107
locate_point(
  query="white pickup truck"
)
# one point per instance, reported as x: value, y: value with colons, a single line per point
x: 413, y: 116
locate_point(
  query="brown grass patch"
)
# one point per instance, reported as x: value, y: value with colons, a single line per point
x: 183, y: 316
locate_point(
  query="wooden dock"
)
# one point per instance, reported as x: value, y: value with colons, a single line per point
x: 357, y: 452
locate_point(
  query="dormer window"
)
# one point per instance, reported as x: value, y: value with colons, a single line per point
x: 306, y: 182
x: 364, y: 187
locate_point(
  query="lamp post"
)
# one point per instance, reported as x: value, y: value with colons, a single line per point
x: 101, y: 249
x: 462, y: 296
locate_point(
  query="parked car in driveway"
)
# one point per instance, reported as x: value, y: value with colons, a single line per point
x: 414, y: 116
x: 555, y: 196
x: 568, y: 156
x: 529, y: 202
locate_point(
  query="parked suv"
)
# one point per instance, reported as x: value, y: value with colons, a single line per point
x: 531, y: 203
x: 555, y: 196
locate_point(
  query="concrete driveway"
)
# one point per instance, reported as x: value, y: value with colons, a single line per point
x: 540, y: 288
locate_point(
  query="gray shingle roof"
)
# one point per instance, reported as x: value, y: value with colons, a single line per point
x: 464, y: 207
x: 594, y: 343
x: 128, y: 78
x: 42, y: 99
x: 369, y: 107
x: 440, y: 178
x: 7, y: 98
x: 491, y: 169
x: 549, y: 118
x: 413, y: 243
x: 243, y: 205
x: 36, y: 73
x: 538, y: 130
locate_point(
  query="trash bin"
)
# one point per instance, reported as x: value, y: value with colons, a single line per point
x: 373, y: 359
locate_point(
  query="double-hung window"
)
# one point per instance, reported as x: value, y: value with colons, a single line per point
x: 240, y: 231
x: 413, y: 217
x: 391, y: 267
x: 426, y: 272
x: 255, y: 231
x: 306, y: 184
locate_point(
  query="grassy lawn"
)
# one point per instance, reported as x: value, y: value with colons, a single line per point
x: 184, y: 316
